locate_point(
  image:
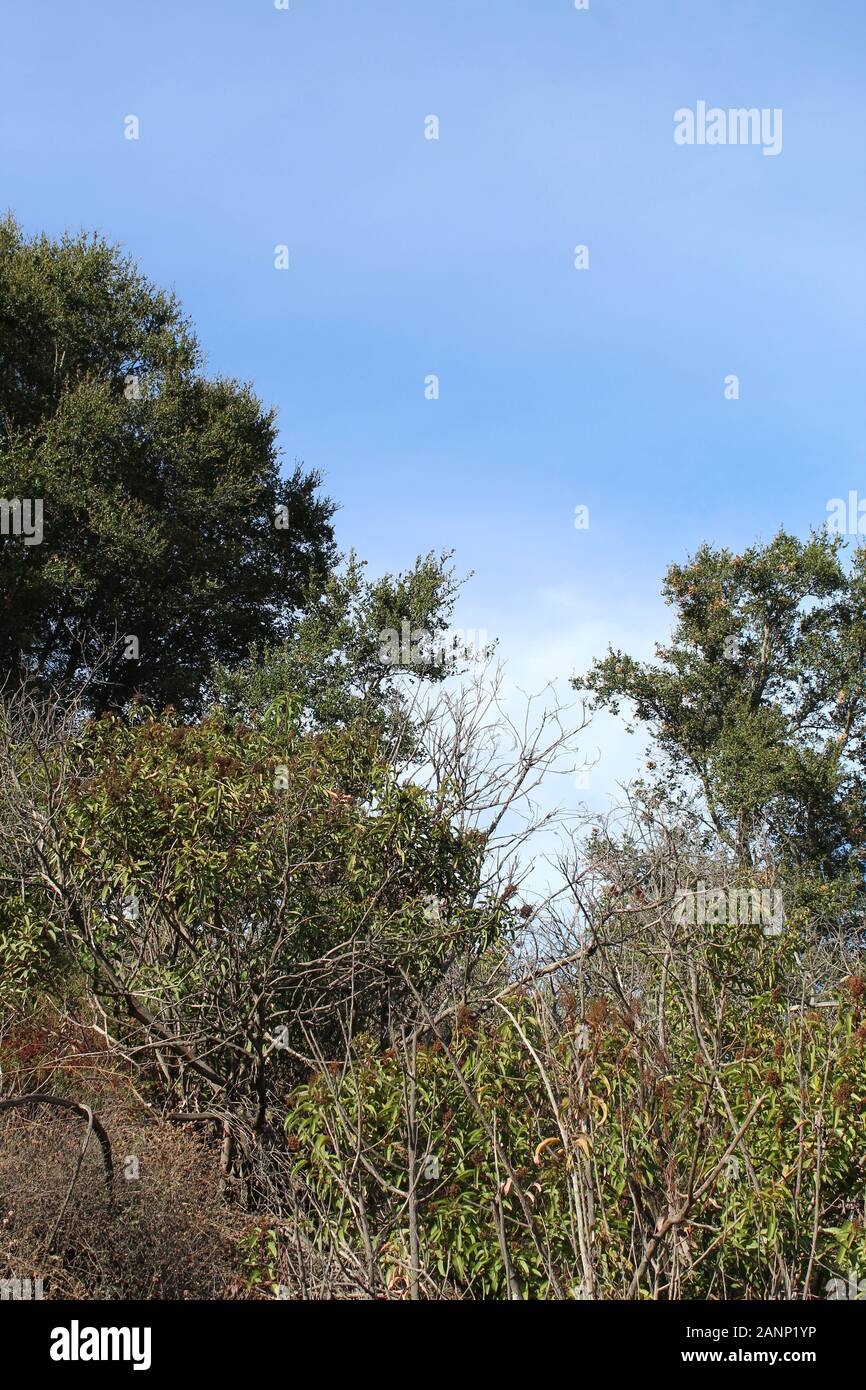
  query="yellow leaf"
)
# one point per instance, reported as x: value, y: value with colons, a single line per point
x: 601, y: 1105
x: 545, y: 1144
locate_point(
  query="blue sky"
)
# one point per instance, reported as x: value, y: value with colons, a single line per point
x: 409, y: 257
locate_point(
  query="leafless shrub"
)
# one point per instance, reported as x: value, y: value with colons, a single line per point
x: 163, y: 1232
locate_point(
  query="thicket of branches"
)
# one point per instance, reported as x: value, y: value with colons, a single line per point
x: 303, y: 993
x: 311, y: 960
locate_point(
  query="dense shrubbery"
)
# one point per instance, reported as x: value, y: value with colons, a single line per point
x: 283, y: 943
x: 592, y: 1115
x: 312, y: 954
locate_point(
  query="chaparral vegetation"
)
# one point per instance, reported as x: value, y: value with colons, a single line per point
x: 284, y: 1011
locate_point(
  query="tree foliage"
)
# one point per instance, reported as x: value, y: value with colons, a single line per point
x: 160, y: 487
x: 759, y: 699
x: 269, y: 880
x: 336, y: 662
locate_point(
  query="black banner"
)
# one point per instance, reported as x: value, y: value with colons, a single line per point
x: 265, y: 1337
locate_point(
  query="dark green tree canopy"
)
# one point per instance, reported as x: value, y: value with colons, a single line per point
x: 164, y: 515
